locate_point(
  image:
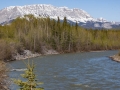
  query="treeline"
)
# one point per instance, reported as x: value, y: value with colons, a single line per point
x: 33, y: 33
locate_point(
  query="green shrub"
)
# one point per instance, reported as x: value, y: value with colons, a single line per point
x: 31, y: 83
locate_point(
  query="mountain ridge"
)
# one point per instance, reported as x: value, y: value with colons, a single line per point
x: 74, y: 15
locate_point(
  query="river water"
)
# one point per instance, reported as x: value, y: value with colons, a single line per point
x: 74, y: 71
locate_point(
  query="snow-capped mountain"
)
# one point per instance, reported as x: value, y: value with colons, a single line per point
x: 83, y: 18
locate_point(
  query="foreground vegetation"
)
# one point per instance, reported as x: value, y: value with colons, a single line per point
x: 3, y: 76
x: 35, y: 33
x: 31, y: 83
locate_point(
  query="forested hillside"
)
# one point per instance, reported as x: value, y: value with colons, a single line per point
x: 33, y: 33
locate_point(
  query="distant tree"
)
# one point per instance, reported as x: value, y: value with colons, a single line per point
x: 64, y: 22
x: 76, y: 26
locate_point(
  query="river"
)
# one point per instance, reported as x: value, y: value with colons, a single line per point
x: 74, y: 71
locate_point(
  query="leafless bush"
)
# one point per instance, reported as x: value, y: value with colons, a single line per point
x: 3, y: 76
x: 8, y: 49
x: 5, y: 50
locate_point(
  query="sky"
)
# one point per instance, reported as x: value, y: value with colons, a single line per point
x: 107, y: 9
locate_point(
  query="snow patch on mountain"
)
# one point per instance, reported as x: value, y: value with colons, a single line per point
x: 45, y: 10
x: 75, y: 15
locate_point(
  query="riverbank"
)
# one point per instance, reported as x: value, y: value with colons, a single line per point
x: 29, y: 54
x: 26, y: 54
x: 115, y: 58
x: 3, y: 76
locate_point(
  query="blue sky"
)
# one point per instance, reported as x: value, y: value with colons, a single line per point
x: 108, y: 9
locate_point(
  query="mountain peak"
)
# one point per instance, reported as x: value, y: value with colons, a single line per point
x: 102, y: 19
x: 75, y: 14
x: 44, y: 9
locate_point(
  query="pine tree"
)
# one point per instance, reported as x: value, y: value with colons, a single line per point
x: 31, y: 83
x: 76, y: 26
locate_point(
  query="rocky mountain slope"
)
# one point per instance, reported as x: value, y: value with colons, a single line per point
x: 73, y: 15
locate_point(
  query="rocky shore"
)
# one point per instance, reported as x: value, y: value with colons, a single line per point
x: 28, y: 54
x: 115, y: 58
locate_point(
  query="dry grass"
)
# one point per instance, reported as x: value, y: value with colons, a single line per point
x: 3, y: 76
x: 119, y: 54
